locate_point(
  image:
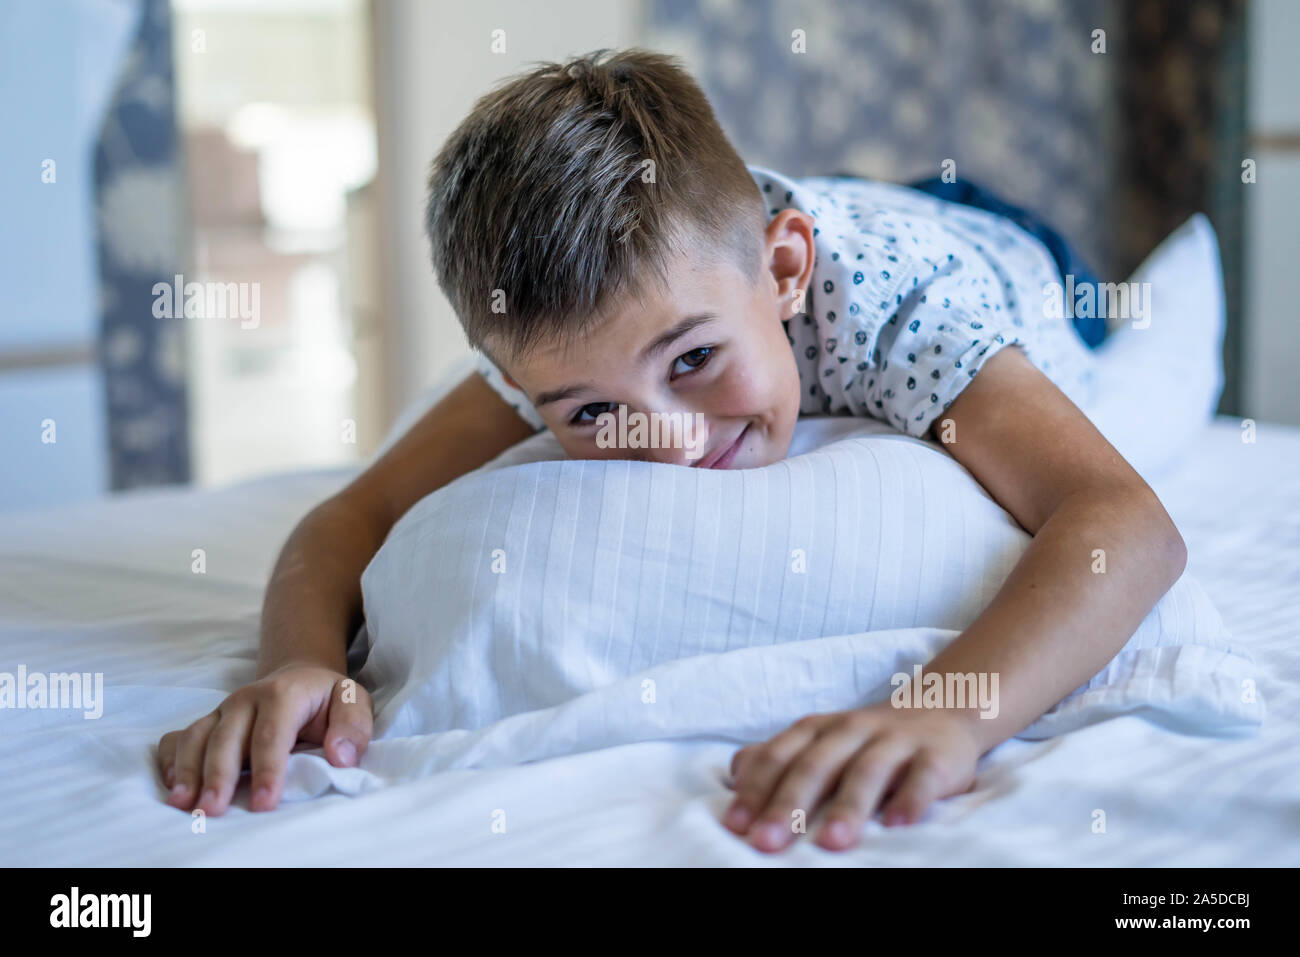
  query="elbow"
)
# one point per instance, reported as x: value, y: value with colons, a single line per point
x: 1175, y: 552
x: 1180, y: 552
x: 1168, y: 550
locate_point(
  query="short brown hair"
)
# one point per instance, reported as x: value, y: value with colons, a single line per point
x: 541, y: 195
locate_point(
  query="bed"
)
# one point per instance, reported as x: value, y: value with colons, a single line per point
x: 160, y: 591
x: 119, y: 587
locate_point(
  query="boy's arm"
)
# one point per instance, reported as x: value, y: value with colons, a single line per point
x: 1064, y: 611
x: 313, y: 606
x: 313, y: 600
x: 1052, y: 626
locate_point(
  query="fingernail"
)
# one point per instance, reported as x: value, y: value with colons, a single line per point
x: 346, y: 751
x: 769, y: 836
x: 838, y: 832
x: 738, y: 819
x: 893, y: 818
x: 209, y: 797
x: 262, y: 795
x: 180, y: 790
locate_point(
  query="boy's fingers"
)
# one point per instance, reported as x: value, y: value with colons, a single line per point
x: 167, y: 757
x: 919, y: 789
x: 187, y: 764
x: 275, y: 731
x: 351, y: 722
x: 738, y: 760
x: 224, y: 757
x: 809, y: 778
x: 761, y: 770
x: 866, y: 778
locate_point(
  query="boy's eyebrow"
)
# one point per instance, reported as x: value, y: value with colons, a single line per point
x: 658, y: 345
x: 676, y: 332
x: 560, y: 394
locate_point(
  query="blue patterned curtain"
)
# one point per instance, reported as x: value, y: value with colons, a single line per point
x: 1007, y: 89
x: 1182, y: 102
x: 141, y: 241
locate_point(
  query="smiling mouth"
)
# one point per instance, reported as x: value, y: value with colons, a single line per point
x: 724, y: 459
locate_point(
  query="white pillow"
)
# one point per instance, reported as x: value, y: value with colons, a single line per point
x: 532, y: 603
x: 1159, y: 383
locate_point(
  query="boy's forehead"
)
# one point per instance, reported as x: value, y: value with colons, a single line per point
x: 623, y: 330
x: 635, y: 317
x: 689, y: 285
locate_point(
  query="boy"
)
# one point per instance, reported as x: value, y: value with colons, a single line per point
x: 603, y: 243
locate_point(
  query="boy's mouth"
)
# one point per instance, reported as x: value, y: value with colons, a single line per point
x: 723, y: 457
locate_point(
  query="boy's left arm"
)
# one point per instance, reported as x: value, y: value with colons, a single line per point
x: 1052, y: 626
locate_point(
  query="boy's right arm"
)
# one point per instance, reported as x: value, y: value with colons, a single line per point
x: 313, y: 606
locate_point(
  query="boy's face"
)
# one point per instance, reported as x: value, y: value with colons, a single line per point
x: 711, y: 348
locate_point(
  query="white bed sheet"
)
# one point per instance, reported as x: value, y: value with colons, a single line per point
x: 109, y: 587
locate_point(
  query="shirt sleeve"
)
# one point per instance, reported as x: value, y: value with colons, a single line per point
x: 512, y: 396
x: 929, y: 350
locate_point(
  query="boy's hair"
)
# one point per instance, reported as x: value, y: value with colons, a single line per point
x: 543, y: 208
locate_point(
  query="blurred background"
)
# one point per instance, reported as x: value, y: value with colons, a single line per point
x: 273, y: 153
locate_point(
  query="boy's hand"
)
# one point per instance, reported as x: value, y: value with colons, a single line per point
x: 850, y: 760
x: 262, y: 722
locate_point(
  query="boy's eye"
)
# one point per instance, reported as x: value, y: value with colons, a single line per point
x: 695, y: 359
x: 593, y: 409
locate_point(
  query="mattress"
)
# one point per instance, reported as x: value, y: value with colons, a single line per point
x: 160, y: 591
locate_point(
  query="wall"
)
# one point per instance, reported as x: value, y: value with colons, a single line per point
x: 1272, y: 340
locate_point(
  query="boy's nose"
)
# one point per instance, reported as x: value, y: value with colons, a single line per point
x: 683, y: 439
